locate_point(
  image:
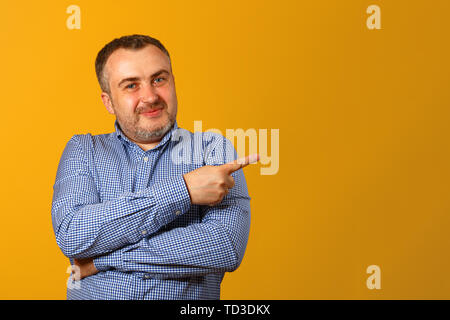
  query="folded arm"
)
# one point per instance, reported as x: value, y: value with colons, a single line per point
x: 85, y: 227
x: 216, y: 244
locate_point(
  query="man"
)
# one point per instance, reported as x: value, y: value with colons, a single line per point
x: 150, y: 211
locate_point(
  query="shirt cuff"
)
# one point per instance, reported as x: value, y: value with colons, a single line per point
x: 172, y: 200
x: 112, y: 260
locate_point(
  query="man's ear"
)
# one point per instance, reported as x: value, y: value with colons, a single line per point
x: 107, y: 102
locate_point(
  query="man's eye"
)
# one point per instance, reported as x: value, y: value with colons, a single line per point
x: 159, y: 80
x: 131, y: 86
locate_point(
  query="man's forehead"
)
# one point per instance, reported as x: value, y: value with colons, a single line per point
x: 123, y: 61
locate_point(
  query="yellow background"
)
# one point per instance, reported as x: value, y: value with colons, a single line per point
x: 364, y: 135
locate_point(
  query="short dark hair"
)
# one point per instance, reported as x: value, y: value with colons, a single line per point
x: 133, y: 42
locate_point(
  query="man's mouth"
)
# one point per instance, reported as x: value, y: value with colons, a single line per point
x: 152, y: 113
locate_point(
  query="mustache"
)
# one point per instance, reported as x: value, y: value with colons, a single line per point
x: 155, y: 106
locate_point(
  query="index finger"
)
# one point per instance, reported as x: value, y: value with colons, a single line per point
x: 240, y: 163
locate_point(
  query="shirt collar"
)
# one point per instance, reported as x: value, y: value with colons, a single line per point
x: 122, y: 137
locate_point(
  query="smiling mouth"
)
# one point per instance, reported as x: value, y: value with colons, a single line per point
x: 152, y: 113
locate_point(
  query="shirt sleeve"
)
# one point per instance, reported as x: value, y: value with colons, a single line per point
x: 216, y: 244
x: 86, y: 227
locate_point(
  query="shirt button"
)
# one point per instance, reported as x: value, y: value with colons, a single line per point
x: 145, y: 159
x: 144, y: 232
x: 178, y: 212
x: 146, y: 276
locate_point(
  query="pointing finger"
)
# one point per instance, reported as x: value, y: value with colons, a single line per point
x: 240, y: 163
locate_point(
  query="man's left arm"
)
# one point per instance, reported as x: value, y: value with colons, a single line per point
x: 216, y: 244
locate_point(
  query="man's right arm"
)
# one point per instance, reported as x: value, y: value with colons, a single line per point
x: 85, y: 227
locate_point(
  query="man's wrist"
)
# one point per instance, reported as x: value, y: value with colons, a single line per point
x: 173, y: 199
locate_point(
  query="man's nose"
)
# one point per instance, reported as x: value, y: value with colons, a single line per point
x: 149, y: 94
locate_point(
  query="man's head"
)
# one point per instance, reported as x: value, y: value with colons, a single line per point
x: 135, y: 75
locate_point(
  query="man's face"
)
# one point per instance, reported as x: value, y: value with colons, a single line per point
x: 142, y: 93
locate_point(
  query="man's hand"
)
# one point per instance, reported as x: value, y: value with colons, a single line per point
x: 208, y: 185
x: 83, y: 268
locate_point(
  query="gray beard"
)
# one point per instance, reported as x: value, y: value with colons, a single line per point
x: 145, y: 135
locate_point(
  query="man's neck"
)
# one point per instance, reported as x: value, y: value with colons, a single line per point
x: 147, y: 146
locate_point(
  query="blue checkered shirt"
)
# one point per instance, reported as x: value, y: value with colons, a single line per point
x: 130, y: 210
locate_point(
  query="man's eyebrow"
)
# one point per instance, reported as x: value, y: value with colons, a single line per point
x: 159, y: 72
x: 130, y: 79
x: 127, y: 80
